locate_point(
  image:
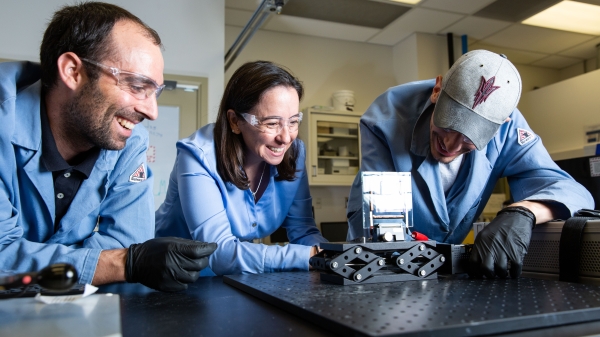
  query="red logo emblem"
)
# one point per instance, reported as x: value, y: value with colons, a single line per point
x: 139, y: 174
x: 485, y: 90
x: 524, y: 136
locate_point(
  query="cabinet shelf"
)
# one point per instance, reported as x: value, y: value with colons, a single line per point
x: 337, y: 157
x: 326, y: 135
x: 335, y: 135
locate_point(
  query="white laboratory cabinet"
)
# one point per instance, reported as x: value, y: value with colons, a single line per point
x: 332, y: 140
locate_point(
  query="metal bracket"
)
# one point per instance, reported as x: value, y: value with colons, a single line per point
x: 409, y: 260
x: 340, y: 265
x: 352, y: 263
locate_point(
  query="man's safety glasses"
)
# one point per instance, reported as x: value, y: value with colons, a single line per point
x: 465, y: 139
x: 273, y: 125
x: 138, y: 85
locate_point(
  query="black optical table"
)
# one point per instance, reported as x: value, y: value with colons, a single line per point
x: 298, y: 304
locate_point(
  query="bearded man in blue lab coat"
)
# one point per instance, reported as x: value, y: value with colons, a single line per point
x: 458, y: 135
x: 74, y: 185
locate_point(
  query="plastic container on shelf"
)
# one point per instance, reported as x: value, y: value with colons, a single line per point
x: 343, y: 100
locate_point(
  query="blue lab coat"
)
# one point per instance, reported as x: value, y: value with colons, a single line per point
x: 201, y: 206
x: 395, y: 137
x: 109, y: 211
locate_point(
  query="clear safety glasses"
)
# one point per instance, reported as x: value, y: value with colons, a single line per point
x: 138, y: 85
x: 466, y: 139
x: 273, y: 125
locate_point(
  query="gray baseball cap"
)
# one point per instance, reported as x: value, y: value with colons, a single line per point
x: 478, y: 93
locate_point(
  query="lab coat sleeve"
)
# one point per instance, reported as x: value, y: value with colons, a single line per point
x: 299, y: 223
x: 16, y: 253
x: 20, y: 255
x: 26, y: 256
x: 375, y: 151
x: 206, y: 217
x: 533, y: 175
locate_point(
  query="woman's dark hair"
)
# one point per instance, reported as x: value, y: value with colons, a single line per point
x: 84, y: 29
x: 243, y: 92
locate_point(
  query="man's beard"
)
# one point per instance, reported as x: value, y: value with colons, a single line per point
x: 86, y: 124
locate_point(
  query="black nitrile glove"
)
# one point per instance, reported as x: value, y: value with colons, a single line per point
x: 505, y: 239
x: 167, y: 264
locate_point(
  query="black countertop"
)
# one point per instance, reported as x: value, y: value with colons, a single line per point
x: 208, y: 308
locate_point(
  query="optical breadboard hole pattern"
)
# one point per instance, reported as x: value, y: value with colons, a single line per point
x: 542, y: 255
x: 440, y: 307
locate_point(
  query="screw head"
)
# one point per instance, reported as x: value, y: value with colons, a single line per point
x: 401, y: 261
x: 358, y: 276
x: 423, y: 273
x: 334, y: 265
x: 442, y: 258
x: 421, y: 247
x: 357, y: 250
x: 380, y: 262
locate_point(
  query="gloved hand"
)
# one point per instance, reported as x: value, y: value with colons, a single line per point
x: 167, y: 264
x: 504, y: 239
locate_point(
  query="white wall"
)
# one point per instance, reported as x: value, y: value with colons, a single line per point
x: 406, y: 60
x: 536, y: 77
x: 572, y: 71
x: 323, y: 65
x: 192, y: 31
x: 433, y: 55
x: 420, y: 57
x: 559, y: 113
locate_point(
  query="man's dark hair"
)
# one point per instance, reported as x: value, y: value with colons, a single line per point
x: 243, y: 92
x: 84, y: 29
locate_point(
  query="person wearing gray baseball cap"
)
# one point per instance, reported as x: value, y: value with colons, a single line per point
x: 457, y: 135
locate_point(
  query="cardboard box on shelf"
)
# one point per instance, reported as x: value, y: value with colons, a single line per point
x: 340, y: 162
x: 340, y: 131
x: 351, y: 170
x: 323, y: 129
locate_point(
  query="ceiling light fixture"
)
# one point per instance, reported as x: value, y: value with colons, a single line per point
x: 571, y: 16
x: 411, y: 2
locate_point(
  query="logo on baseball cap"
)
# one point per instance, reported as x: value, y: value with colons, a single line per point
x: 478, y: 93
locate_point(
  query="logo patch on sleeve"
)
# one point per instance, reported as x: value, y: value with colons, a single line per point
x: 139, y: 174
x: 524, y: 136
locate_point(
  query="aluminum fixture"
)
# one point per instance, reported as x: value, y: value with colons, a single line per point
x: 265, y: 8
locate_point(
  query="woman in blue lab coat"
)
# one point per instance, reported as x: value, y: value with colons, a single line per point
x: 243, y: 177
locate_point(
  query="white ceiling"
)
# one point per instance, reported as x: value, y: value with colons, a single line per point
x: 521, y: 43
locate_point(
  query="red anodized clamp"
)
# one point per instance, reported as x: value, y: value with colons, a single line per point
x: 419, y: 237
